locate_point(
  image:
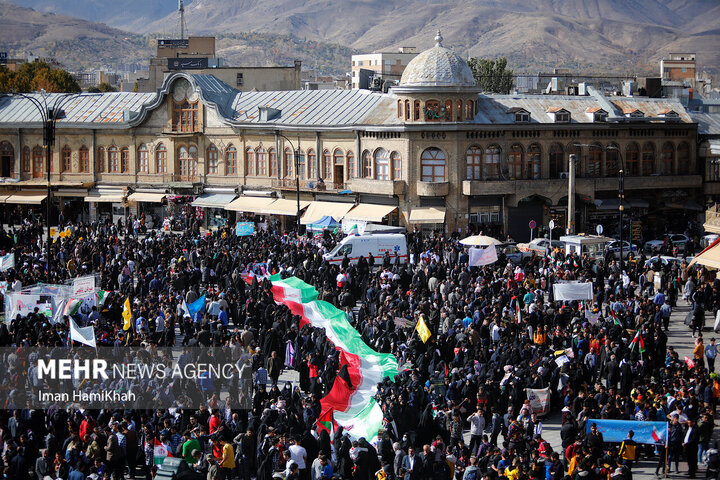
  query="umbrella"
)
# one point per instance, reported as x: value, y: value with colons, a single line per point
x: 480, y: 240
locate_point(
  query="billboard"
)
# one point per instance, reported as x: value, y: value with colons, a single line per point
x: 187, y: 63
x: 172, y: 43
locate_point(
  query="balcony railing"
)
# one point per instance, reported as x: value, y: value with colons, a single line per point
x: 307, y: 185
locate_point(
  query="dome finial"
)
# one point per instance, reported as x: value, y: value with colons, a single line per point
x: 438, y: 39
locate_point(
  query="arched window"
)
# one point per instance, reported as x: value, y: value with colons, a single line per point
x: 26, y: 159
x: 326, y: 166
x: 515, y: 161
x: 400, y: 108
x: 65, y: 159
x: 272, y: 159
x: 416, y: 112
x: 396, y: 165
x: 143, y: 159
x: 211, y: 159
x: 231, y: 160
x: 667, y: 163
x: 612, y: 160
x: 84, y: 160
x: 473, y: 161
x: 161, y: 159
x: 312, y: 164
x: 338, y: 157
x: 124, y: 160
x: 491, y: 162
x: 261, y: 157
x: 594, y: 161
x: 683, y: 158
x: 38, y: 163
x: 7, y: 159
x: 350, y: 161
x: 469, y: 110
x: 113, y: 155
x: 432, y: 165
x: 407, y: 109
x: 249, y: 162
x: 459, y: 110
x: 632, y: 160
x: 648, y: 159
x: 449, y: 110
x: 188, y: 162
x: 101, y: 159
x: 366, y: 164
x: 534, y: 162
x: 556, y: 159
x: 287, y: 163
x: 301, y: 164
x: 382, y: 164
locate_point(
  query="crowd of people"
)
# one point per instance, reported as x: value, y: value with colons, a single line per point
x: 458, y: 408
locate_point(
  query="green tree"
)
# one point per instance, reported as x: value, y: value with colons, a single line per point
x: 35, y: 76
x: 106, y: 87
x: 492, y: 75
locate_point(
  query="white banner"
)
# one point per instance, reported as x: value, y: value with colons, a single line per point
x: 356, y: 227
x: 565, y: 292
x: 483, y: 256
x: 7, y: 262
x: 539, y: 400
x: 85, y: 335
x: 24, y: 304
x: 83, y: 286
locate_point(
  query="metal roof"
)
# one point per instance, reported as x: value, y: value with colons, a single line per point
x: 708, y: 123
x: 307, y: 107
x: 107, y: 108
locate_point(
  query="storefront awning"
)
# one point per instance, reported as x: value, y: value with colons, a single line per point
x: 147, y: 197
x: 71, y: 192
x: 370, y: 212
x: 26, y: 198
x: 4, y: 196
x: 110, y: 198
x: 710, y: 257
x: 213, y: 200
x: 285, y: 206
x: 249, y: 204
x: 427, y: 215
x: 317, y: 210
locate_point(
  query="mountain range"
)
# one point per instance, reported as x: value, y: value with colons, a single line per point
x: 592, y: 35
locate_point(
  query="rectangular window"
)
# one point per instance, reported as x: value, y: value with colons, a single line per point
x: 239, y: 80
x: 66, y: 160
x: 84, y: 160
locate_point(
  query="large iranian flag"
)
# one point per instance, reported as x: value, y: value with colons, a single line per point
x: 351, y: 398
x: 160, y: 453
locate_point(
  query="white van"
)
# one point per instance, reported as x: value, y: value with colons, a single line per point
x: 366, y: 245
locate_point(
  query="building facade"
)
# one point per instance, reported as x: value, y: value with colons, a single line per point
x: 433, y: 152
x: 389, y: 65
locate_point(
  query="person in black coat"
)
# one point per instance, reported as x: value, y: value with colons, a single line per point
x: 613, y: 372
x: 690, y: 443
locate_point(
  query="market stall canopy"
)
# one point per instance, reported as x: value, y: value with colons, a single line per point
x: 370, y: 212
x: 249, y: 204
x: 213, y: 200
x: 26, y: 198
x: 283, y: 206
x: 325, y: 223
x: 710, y: 257
x: 427, y: 215
x: 480, y: 240
x: 147, y: 197
x: 317, y: 210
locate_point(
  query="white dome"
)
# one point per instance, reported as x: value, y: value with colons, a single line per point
x: 437, y: 67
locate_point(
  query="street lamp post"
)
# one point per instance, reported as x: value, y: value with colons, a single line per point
x: 621, y: 198
x: 49, y: 114
x: 297, y: 177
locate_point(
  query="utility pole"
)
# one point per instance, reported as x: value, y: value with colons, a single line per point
x: 571, y: 195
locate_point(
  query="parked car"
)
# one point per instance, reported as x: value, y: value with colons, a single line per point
x: 541, y: 245
x: 513, y: 253
x: 664, y: 259
x: 613, y: 249
x: 677, y: 239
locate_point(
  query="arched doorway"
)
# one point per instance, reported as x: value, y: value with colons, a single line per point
x: 7, y: 159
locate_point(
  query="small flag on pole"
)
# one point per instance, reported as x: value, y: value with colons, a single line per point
x: 325, y: 422
x: 127, y: 315
x: 422, y: 329
x: 160, y: 453
x: 84, y: 335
